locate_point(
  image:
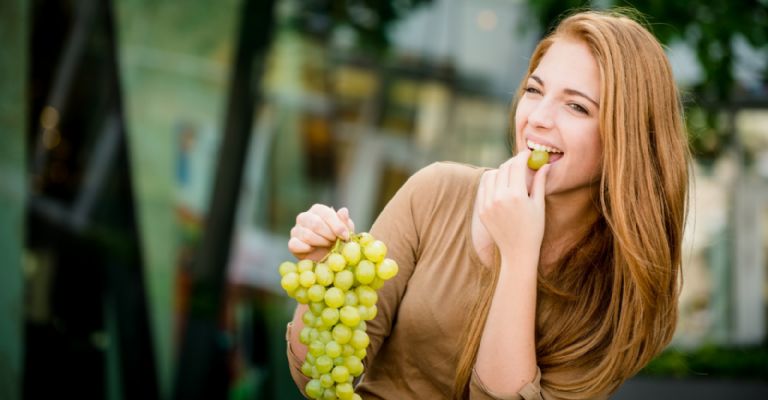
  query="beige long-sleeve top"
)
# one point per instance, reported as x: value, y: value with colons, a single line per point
x: 423, y: 311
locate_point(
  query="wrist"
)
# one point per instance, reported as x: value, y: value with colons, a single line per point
x: 521, y: 262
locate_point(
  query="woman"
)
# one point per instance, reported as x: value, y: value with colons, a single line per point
x: 559, y: 283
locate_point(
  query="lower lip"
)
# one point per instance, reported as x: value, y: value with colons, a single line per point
x: 554, y: 157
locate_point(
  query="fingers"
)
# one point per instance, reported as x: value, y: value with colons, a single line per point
x: 296, y: 246
x: 323, y: 221
x: 309, y: 237
x: 501, y: 178
x: 520, y: 170
x: 343, y: 213
x: 511, y: 174
x: 540, y: 183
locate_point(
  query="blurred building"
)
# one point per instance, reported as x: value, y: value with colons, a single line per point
x: 120, y: 137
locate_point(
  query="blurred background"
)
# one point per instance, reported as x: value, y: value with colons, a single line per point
x: 154, y: 155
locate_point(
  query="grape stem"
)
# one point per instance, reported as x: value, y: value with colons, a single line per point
x: 337, y: 246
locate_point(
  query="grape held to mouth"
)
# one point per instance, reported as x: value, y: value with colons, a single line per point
x: 537, y: 159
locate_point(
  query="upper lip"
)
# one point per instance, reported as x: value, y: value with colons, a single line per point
x: 541, y: 141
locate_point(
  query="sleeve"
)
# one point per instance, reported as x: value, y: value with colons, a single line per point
x: 398, y: 226
x: 531, y: 391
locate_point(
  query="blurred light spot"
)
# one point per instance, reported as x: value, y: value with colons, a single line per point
x: 100, y: 340
x: 51, y: 138
x: 49, y: 118
x: 487, y: 20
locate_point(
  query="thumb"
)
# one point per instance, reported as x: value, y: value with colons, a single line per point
x: 540, y: 183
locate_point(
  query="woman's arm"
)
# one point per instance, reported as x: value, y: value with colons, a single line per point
x: 506, y: 358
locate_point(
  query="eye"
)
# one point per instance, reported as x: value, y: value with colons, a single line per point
x: 579, y: 108
x: 532, y: 90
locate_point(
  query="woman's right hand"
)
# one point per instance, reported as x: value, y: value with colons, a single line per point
x: 317, y: 229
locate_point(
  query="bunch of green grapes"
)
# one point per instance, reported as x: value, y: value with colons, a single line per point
x: 341, y: 293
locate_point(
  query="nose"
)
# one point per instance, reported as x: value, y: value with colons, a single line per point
x: 543, y: 115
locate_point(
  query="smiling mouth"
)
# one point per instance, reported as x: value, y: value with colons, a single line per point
x: 554, y: 153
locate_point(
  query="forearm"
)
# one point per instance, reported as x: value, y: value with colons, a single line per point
x: 506, y: 359
x: 297, y: 349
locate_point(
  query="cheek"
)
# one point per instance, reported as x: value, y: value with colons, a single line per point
x: 521, y: 116
x: 595, y: 150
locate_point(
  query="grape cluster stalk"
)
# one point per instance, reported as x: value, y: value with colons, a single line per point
x: 341, y: 291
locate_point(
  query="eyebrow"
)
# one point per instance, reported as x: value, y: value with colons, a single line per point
x: 568, y: 91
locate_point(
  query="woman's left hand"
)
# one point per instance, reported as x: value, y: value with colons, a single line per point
x: 513, y: 217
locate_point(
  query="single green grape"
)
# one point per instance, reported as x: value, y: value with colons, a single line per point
x: 326, y: 380
x: 354, y: 365
x: 334, y: 297
x: 344, y: 391
x: 377, y: 283
x: 314, y: 389
x: 344, y: 279
x: 371, y: 312
x: 287, y: 267
x: 316, y: 293
x: 304, y: 335
x: 336, y: 262
x: 339, y: 374
x: 307, y: 279
x: 349, y: 316
x: 355, y: 396
x: 350, y: 298
x: 324, y: 363
x: 333, y: 349
x: 308, y: 318
x: 387, y: 269
x: 324, y: 274
x: 365, y: 272
x: 351, y: 252
x: 347, y: 350
x: 365, y: 238
x: 538, y: 159
x: 330, y: 316
x: 365, y: 312
x: 324, y: 337
x: 305, y: 265
x: 375, y: 251
x: 342, y: 334
x: 290, y: 282
x: 301, y: 295
x: 366, y: 296
x: 360, y: 339
x: 361, y: 353
x: 317, y: 307
x: 315, y: 373
x: 313, y: 335
x: 306, y: 368
x: 330, y: 394
x: 317, y: 349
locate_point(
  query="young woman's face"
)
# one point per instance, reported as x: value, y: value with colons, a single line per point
x: 560, y: 109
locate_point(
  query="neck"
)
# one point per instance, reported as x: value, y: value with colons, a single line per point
x: 568, y: 217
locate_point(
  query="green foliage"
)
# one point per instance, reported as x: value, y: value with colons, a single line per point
x: 709, y: 26
x: 369, y: 19
x: 711, y: 361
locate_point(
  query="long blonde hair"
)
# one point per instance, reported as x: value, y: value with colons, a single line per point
x: 610, y: 304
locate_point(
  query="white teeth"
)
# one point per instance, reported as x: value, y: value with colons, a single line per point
x: 537, y: 146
